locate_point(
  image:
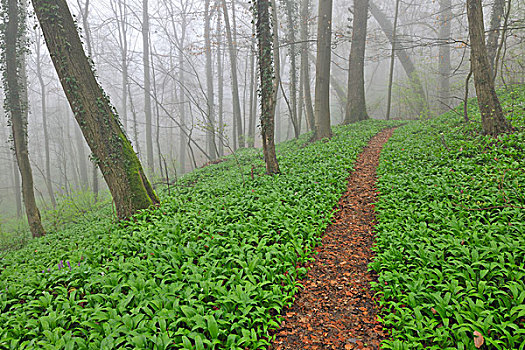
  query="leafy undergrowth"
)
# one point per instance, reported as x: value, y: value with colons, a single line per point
x: 212, y: 267
x: 451, y: 233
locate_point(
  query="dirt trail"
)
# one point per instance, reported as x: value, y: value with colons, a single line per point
x: 335, y: 309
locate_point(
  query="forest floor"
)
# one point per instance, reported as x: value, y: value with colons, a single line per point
x: 335, y: 309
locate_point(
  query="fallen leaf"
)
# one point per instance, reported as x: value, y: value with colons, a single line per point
x: 478, y: 339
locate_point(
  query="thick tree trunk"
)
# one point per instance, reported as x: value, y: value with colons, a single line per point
x: 494, y: 30
x: 17, y: 110
x: 210, y: 98
x: 305, y: 65
x: 233, y: 66
x: 445, y: 21
x: 147, y: 86
x: 264, y: 37
x: 114, y: 155
x: 492, y: 117
x: 356, y: 104
x: 322, y: 77
x: 404, y: 58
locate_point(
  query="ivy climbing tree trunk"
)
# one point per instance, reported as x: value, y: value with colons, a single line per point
x: 492, y: 117
x: 494, y: 30
x: 322, y: 127
x: 356, y: 103
x: 13, y: 57
x: 264, y: 39
x: 96, y: 117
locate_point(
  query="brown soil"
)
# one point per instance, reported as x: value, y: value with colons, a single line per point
x: 336, y: 308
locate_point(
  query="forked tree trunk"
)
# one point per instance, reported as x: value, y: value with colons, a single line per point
x: 356, y: 104
x: 290, y: 14
x: 322, y: 77
x: 264, y: 37
x: 114, y: 155
x: 492, y: 117
x: 17, y: 110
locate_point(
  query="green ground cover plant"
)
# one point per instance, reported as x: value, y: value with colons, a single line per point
x: 451, y: 233
x: 212, y: 267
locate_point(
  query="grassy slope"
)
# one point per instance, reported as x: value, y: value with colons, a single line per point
x: 451, y: 238
x: 210, y: 268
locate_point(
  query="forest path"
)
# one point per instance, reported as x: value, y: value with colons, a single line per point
x: 336, y: 309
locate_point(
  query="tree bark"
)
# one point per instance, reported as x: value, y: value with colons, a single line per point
x: 210, y: 98
x: 220, y: 83
x: 392, y: 62
x: 43, y: 108
x: 356, y: 104
x: 445, y: 21
x: 111, y: 148
x: 17, y: 110
x: 404, y: 58
x: 322, y: 77
x: 492, y: 117
x: 16, y: 188
x: 290, y: 14
x: 233, y: 66
x: 494, y: 30
x: 147, y: 85
x: 305, y: 65
x: 264, y: 37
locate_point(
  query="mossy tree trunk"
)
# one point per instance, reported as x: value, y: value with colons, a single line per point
x: 264, y: 38
x: 16, y: 106
x: 97, y: 119
x: 492, y: 117
x: 445, y: 25
x: 356, y: 104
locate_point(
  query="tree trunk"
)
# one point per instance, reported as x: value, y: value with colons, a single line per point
x: 356, y: 104
x: 322, y: 77
x: 16, y: 188
x: 445, y: 23
x: 111, y: 148
x: 235, y: 85
x: 492, y: 117
x: 264, y: 37
x: 305, y: 65
x: 147, y: 86
x: 392, y: 62
x: 17, y: 109
x: 253, y: 99
x: 220, y: 82
x: 210, y: 103
x: 408, y: 66
x: 49, y: 185
x: 290, y: 14
x: 494, y: 31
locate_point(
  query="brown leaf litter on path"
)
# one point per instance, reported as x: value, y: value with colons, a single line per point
x: 336, y: 308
